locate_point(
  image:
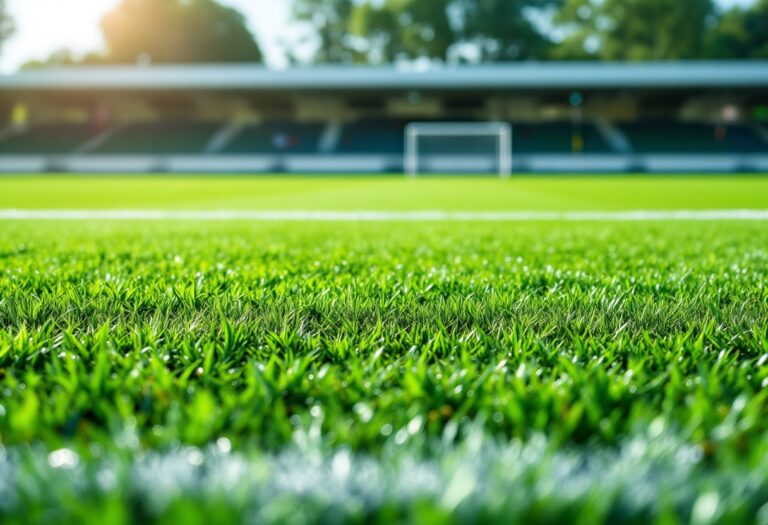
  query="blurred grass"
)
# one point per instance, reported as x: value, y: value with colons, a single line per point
x: 627, y: 192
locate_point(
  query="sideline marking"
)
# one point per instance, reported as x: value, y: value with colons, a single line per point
x: 385, y: 216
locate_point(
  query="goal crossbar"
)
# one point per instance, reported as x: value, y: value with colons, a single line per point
x: 500, y: 130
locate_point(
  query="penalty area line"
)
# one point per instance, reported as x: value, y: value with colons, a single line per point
x: 383, y: 216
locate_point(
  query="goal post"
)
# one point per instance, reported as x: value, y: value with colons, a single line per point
x: 500, y: 134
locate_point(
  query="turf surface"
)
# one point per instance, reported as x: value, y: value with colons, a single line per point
x: 267, y: 372
x: 385, y: 193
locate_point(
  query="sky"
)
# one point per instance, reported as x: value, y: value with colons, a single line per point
x: 46, y: 26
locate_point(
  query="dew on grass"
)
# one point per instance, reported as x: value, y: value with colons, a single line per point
x: 63, y: 458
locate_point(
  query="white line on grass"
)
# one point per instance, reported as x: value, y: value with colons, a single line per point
x: 386, y: 216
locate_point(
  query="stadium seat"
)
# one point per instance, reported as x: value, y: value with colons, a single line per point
x: 167, y: 137
x: 279, y: 136
x: 666, y: 136
x: 47, y: 139
x: 379, y: 136
x: 556, y: 137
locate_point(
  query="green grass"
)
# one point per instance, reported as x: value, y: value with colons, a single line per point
x: 385, y: 193
x: 420, y: 372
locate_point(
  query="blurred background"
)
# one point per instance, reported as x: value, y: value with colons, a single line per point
x: 331, y: 85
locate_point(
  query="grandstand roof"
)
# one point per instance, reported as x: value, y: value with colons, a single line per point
x: 522, y: 75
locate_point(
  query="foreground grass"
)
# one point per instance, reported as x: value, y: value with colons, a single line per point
x: 418, y: 372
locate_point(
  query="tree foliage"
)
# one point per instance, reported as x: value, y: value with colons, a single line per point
x: 387, y: 31
x: 6, y: 23
x: 66, y: 58
x: 741, y: 33
x: 633, y: 29
x: 391, y: 30
x: 502, y: 30
x: 507, y: 29
x: 178, y: 31
x: 405, y: 29
x: 330, y: 21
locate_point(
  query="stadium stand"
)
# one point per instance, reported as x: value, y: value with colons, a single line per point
x: 667, y: 136
x: 47, y: 138
x: 279, y: 136
x: 557, y: 137
x: 372, y: 136
x: 332, y: 119
x: 172, y: 137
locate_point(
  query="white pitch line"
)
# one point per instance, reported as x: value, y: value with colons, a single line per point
x: 385, y: 216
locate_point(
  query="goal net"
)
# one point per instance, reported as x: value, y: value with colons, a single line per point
x: 461, y: 147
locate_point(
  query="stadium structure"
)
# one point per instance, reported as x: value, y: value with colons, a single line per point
x: 564, y: 117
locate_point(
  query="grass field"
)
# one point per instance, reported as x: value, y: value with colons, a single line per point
x: 385, y: 193
x: 429, y: 372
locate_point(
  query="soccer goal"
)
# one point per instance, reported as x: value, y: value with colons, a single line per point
x: 468, y: 147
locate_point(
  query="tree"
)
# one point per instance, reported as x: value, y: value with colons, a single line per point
x: 330, y: 21
x: 392, y: 30
x: 6, y: 24
x: 177, y: 31
x: 406, y: 29
x: 507, y: 30
x: 348, y: 31
x: 741, y: 33
x: 64, y: 58
x: 634, y: 29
